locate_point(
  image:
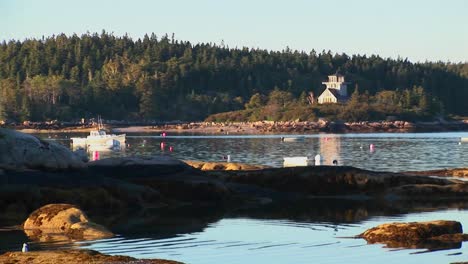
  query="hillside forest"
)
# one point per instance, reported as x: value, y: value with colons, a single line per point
x: 160, y: 78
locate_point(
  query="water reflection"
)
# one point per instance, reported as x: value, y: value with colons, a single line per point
x: 330, y: 150
x: 391, y: 152
x: 292, y: 232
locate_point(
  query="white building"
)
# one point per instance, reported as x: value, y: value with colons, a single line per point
x: 336, y: 90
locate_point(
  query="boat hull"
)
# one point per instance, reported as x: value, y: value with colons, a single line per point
x: 295, y: 161
x: 100, y: 140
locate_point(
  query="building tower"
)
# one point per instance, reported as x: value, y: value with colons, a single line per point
x: 336, y: 89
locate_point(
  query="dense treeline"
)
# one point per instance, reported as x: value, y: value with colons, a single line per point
x: 67, y: 77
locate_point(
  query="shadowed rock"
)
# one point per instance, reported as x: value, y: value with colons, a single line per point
x: 171, y: 177
x: 62, y: 222
x: 458, y: 172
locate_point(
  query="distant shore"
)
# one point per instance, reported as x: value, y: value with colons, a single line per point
x: 260, y: 127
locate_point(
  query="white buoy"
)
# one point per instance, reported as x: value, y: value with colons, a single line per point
x: 228, y: 158
x: 318, y: 160
x: 25, y: 247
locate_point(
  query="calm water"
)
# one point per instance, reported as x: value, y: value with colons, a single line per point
x: 392, y: 152
x: 245, y: 240
x: 311, y: 233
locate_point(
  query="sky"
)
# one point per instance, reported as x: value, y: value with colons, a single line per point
x: 420, y: 30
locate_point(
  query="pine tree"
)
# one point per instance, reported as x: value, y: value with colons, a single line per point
x: 3, y: 115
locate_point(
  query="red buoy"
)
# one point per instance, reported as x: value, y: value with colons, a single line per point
x: 95, y: 155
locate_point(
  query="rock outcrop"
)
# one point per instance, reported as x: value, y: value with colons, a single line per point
x: 74, y: 256
x: 458, y: 173
x: 62, y: 222
x: 432, y: 234
x: 137, y: 161
x: 23, y: 151
x: 172, y: 178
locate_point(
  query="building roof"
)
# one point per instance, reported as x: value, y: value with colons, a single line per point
x: 337, y: 94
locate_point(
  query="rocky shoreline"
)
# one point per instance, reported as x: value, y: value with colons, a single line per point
x: 160, y: 189
x: 260, y: 127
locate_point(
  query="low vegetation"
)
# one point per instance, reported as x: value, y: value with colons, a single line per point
x: 411, y: 105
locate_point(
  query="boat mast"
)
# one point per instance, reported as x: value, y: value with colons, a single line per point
x: 100, y: 126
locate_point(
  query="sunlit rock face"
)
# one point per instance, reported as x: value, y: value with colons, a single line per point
x: 62, y: 222
x: 22, y: 151
x: 438, y: 234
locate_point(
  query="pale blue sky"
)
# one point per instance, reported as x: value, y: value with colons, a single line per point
x: 417, y: 29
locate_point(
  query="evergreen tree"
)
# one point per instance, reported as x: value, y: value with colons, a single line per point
x: 66, y: 77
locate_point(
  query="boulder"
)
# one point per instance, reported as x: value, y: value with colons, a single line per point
x: 416, y: 234
x: 62, y: 222
x: 22, y: 151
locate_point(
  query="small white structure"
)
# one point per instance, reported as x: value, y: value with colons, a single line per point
x: 318, y: 160
x: 336, y: 90
x: 295, y: 161
x: 25, y: 248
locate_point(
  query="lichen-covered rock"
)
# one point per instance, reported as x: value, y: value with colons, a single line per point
x: 74, y: 256
x: 22, y: 151
x: 201, y: 165
x: 416, y: 234
x: 61, y: 222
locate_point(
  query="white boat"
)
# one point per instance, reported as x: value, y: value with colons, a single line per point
x: 99, y: 140
x: 295, y: 161
x: 292, y: 139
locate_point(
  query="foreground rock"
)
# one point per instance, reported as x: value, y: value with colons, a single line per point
x: 124, y: 184
x: 201, y: 165
x: 458, y: 173
x: 343, y: 181
x: 23, y: 151
x: 433, y: 234
x: 62, y: 222
x: 137, y: 161
x: 172, y: 178
x: 73, y: 256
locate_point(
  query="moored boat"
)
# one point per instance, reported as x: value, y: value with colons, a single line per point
x: 292, y: 139
x: 99, y: 139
